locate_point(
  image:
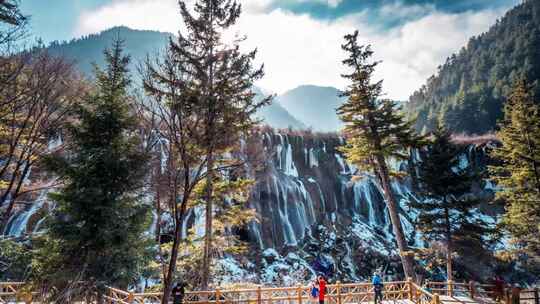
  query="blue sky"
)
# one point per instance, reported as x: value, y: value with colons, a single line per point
x: 57, y: 19
x: 299, y: 40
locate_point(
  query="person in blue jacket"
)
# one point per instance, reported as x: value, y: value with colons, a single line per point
x: 377, y: 287
x: 314, y: 291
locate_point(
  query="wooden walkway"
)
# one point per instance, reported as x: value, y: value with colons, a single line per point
x: 400, y: 292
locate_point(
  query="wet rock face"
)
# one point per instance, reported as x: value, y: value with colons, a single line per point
x: 307, y: 183
x: 311, y: 217
x: 308, y: 205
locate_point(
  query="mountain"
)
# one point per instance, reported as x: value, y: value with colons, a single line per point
x: 138, y: 44
x: 89, y: 49
x: 276, y: 116
x: 469, y: 90
x: 315, y: 106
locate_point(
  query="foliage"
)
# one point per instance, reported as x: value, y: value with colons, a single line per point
x: 96, y: 232
x: 231, y: 213
x: 375, y: 130
x: 447, y: 212
x: 374, y: 126
x: 517, y: 171
x: 214, y: 80
x: 37, y: 92
x: 15, y: 258
x: 13, y: 24
x: 469, y: 90
x: 10, y: 13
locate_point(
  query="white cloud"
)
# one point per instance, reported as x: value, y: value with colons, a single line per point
x: 137, y: 14
x: 298, y: 49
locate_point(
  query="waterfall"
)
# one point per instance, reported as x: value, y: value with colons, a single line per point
x: 18, y: 224
x: 304, y: 186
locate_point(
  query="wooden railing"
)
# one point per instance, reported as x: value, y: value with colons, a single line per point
x: 530, y: 296
x: 11, y: 292
x: 336, y: 294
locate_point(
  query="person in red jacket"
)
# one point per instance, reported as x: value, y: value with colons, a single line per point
x: 322, y: 289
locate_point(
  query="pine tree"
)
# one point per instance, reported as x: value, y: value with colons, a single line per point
x: 517, y: 171
x: 231, y: 213
x: 376, y: 131
x: 446, y: 214
x: 218, y: 78
x: 96, y: 232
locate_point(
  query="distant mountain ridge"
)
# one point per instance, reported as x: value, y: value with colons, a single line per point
x: 314, y: 105
x: 468, y: 93
x: 89, y: 49
x: 140, y: 43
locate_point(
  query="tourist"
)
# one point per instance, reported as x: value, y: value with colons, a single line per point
x: 377, y: 287
x: 322, y: 289
x: 314, y: 291
x: 498, y: 288
x: 516, y: 293
x: 178, y: 293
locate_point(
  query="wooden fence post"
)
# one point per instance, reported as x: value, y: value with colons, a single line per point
x: 410, y: 288
x: 218, y: 295
x: 536, y: 296
x: 436, y: 299
x: 259, y: 295
x: 471, y: 289
x: 338, y: 287
x: 450, y: 288
x: 130, y: 298
x: 299, y: 291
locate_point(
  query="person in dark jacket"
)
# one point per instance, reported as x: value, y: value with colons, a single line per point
x: 498, y: 288
x: 377, y: 287
x: 178, y: 293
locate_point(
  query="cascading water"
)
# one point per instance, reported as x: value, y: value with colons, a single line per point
x: 310, y: 209
x: 18, y: 224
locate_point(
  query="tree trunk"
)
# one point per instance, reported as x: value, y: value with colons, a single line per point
x: 100, y: 297
x: 167, y: 288
x: 168, y: 281
x: 406, y: 257
x: 449, y: 275
x: 449, y: 247
x: 208, y: 225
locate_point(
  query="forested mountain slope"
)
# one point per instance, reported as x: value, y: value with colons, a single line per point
x: 89, y: 49
x: 138, y: 44
x: 469, y: 90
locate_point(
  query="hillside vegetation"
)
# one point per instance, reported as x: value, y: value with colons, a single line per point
x: 469, y: 90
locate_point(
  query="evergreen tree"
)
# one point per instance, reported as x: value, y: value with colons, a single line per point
x: 216, y: 78
x: 96, y: 232
x: 517, y: 171
x: 475, y: 81
x: 446, y: 213
x: 376, y: 131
